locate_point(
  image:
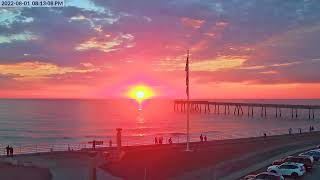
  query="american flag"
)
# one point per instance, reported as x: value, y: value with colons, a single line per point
x: 187, y: 74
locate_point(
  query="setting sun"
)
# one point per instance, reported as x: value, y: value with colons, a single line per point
x: 140, y: 92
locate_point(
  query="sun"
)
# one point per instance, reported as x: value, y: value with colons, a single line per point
x: 140, y: 95
x: 140, y: 92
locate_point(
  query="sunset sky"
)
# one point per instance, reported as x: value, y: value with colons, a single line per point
x: 101, y: 48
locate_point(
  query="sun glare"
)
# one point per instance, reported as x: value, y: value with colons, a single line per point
x: 140, y: 93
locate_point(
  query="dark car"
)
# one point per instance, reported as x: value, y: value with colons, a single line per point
x: 264, y: 175
x: 303, y: 160
x: 280, y: 161
x: 314, y: 153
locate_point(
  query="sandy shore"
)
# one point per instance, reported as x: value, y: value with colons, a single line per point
x: 161, y: 162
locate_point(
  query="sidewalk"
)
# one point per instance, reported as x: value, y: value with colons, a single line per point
x: 63, y: 166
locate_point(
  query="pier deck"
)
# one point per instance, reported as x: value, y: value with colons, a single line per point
x: 205, y: 106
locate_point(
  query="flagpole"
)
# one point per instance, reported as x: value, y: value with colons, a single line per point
x: 188, y: 104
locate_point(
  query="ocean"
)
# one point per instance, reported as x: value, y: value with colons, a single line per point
x: 28, y: 122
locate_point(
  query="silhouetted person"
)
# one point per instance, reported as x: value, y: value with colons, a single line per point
x: 290, y: 131
x: 11, y: 151
x: 205, y: 138
x: 300, y: 130
x: 265, y: 135
x: 94, y: 145
x: 156, y: 140
x: 110, y: 143
x: 170, y: 140
x: 160, y: 140
x: 201, y: 138
x: 310, y: 128
x: 8, y: 149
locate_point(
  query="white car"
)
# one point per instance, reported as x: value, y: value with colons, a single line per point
x: 264, y: 176
x: 288, y: 169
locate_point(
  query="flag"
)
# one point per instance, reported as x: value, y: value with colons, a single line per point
x: 187, y: 75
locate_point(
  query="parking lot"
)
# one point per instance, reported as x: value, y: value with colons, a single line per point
x: 312, y: 175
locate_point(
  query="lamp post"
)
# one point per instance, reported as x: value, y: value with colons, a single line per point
x: 188, y: 103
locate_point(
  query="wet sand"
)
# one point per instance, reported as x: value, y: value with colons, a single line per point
x: 161, y: 162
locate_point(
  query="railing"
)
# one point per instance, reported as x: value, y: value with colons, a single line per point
x: 39, y: 148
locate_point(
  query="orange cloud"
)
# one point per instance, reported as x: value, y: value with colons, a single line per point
x: 106, y: 44
x: 257, y: 91
x: 219, y: 63
x: 221, y: 24
x: 194, y: 23
x: 36, y: 69
x: 269, y: 72
x: 210, y: 34
x: 216, y: 64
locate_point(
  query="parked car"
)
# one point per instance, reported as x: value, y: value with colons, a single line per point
x: 315, y: 154
x: 288, y: 169
x: 307, y: 163
x: 310, y: 157
x: 316, y: 149
x: 265, y: 176
x: 280, y: 161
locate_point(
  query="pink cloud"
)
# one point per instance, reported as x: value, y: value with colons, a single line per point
x: 194, y: 23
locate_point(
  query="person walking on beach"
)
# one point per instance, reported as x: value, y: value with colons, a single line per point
x: 94, y: 145
x: 300, y: 130
x: 11, y: 151
x: 156, y: 140
x: 205, y: 138
x: 110, y: 143
x: 160, y: 140
x: 310, y: 128
x: 8, y: 149
x: 290, y: 131
x: 170, y: 140
x: 201, y: 138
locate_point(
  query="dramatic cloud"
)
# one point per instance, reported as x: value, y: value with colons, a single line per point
x: 233, y: 44
x: 106, y: 45
x: 194, y: 23
x: 36, y: 69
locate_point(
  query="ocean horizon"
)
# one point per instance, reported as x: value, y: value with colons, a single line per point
x: 77, y: 121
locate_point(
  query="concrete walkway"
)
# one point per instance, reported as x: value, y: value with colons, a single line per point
x: 63, y: 166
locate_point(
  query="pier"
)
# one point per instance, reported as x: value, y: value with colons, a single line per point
x: 240, y: 109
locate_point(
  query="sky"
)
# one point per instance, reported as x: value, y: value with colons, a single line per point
x: 99, y: 49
